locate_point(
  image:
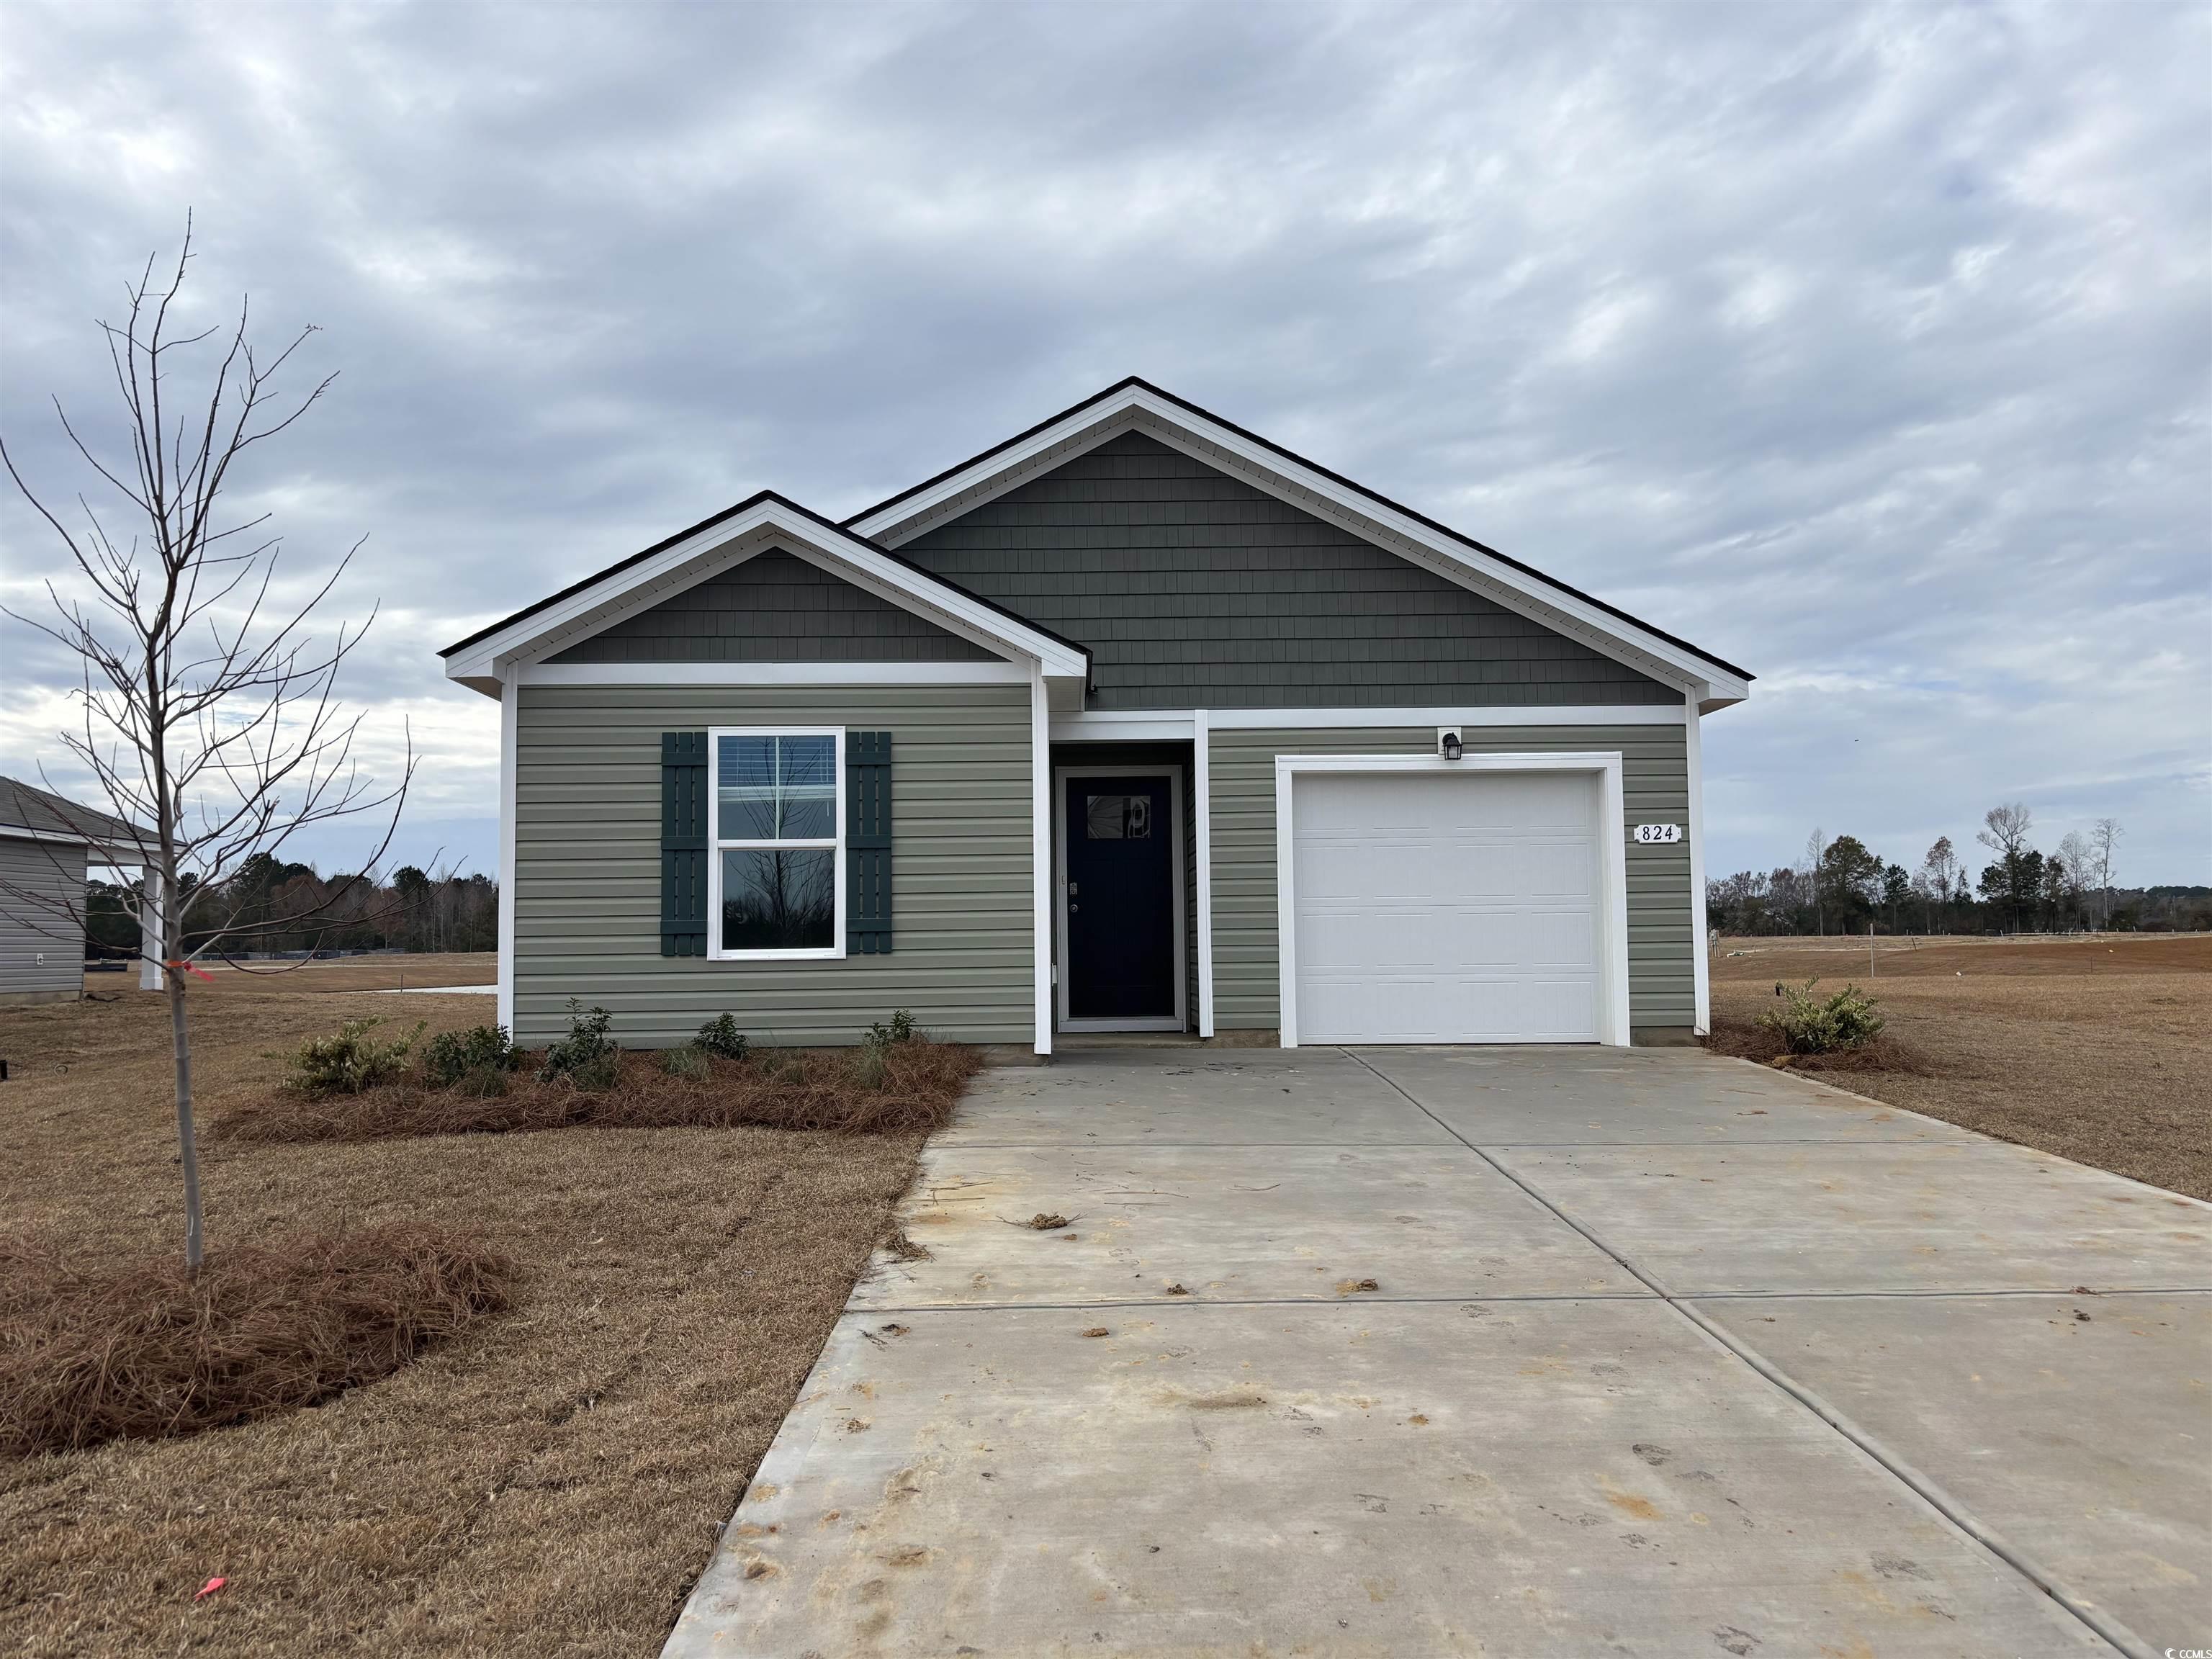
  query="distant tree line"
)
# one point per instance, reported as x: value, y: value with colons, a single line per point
x: 291, y: 907
x: 1842, y: 886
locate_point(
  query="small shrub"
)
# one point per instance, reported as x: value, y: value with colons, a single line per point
x: 1809, y: 1024
x: 690, y: 1061
x: 450, y: 1056
x: 586, y: 1057
x: 816, y: 1090
x: 349, y: 1061
x: 901, y: 1030
x: 721, y: 1037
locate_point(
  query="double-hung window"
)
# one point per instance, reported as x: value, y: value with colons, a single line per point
x: 776, y: 867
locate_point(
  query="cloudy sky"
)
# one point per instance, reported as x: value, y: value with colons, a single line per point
x: 1869, y: 349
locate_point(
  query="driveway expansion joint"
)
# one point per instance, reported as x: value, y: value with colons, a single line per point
x: 2109, y: 1629
x: 1166, y: 1304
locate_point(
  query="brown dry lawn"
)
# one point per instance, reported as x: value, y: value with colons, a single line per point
x: 2099, y: 1049
x: 551, y: 1482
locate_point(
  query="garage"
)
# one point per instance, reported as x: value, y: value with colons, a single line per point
x: 1433, y: 901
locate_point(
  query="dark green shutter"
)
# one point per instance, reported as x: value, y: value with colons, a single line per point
x: 683, y: 796
x: 868, y: 843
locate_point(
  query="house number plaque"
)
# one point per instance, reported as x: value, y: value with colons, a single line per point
x: 1652, y: 834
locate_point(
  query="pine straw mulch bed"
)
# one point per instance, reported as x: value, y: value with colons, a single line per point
x: 920, y: 1085
x: 548, y: 1483
x: 146, y: 1352
x: 1747, y: 1039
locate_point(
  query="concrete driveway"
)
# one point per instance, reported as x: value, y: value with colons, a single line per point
x: 1509, y: 1351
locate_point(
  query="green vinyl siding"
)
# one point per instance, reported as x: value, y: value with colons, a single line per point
x: 1197, y: 590
x: 588, y: 857
x: 774, y: 607
x: 1655, y: 785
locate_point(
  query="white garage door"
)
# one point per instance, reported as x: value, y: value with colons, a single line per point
x: 1442, y: 906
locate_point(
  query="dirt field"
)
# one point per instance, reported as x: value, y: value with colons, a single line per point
x: 550, y: 1483
x: 2099, y: 1049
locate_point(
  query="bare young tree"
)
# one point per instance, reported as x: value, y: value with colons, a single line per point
x: 210, y: 723
x: 2004, y: 832
x: 2076, y: 864
x: 1938, y: 876
x: 1816, y: 853
x: 2104, y: 842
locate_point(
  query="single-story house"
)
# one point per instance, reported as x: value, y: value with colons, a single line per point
x: 1135, y: 722
x: 45, y: 844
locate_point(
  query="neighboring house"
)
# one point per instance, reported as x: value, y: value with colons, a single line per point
x: 46, y: 843
x: 1135, y: 722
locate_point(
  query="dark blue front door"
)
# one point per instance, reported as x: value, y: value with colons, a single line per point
x: 1120, y: 898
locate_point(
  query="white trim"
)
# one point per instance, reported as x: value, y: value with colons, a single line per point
x: 1041, y: 854
x: 1180, y: 1020
x: 620, y: 603
x: 1613, y: 861
x: 1202, y: 777
x: 731, y: 540
x: 1664, y: 713
x: 776, y: 673
x: 1307, y: 487
x: 964, y: 623
x: 1175, y: 725
x: 1123, y: 725
x: 510, y: 711
x: 1693, y: 746
x: 718, y: 843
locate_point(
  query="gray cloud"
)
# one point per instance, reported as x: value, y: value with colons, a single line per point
x: 1867, y: 348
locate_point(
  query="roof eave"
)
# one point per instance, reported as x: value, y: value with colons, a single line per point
x: 479, y: 661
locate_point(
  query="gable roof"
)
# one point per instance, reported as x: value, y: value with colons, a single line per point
x: 759, y: 521
x: 50, y: 817
x: 774, y: 607
x: 1135, y: 403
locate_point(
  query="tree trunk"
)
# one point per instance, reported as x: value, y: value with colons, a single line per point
x: 180, y: 1051
x: 187, y: 1141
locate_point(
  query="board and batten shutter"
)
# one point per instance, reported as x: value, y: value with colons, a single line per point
x: 868, y: 843
x: 684, y: 797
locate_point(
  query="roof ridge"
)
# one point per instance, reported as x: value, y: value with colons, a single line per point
x: 1334, y: 476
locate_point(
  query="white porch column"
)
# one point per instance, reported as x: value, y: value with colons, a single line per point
x: 1201, y: 733
x: 1041, y: 852
x: 1694, y: 751
x: 510, y: 698
x: 152, y: 897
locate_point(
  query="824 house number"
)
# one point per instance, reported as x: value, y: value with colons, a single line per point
x: 1649, y: 835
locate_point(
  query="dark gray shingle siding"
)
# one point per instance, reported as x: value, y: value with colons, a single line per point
x: 774, y: 607
x: 1194, y: 589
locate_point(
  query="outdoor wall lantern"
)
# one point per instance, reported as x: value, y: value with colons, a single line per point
x: 1447, y: 742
